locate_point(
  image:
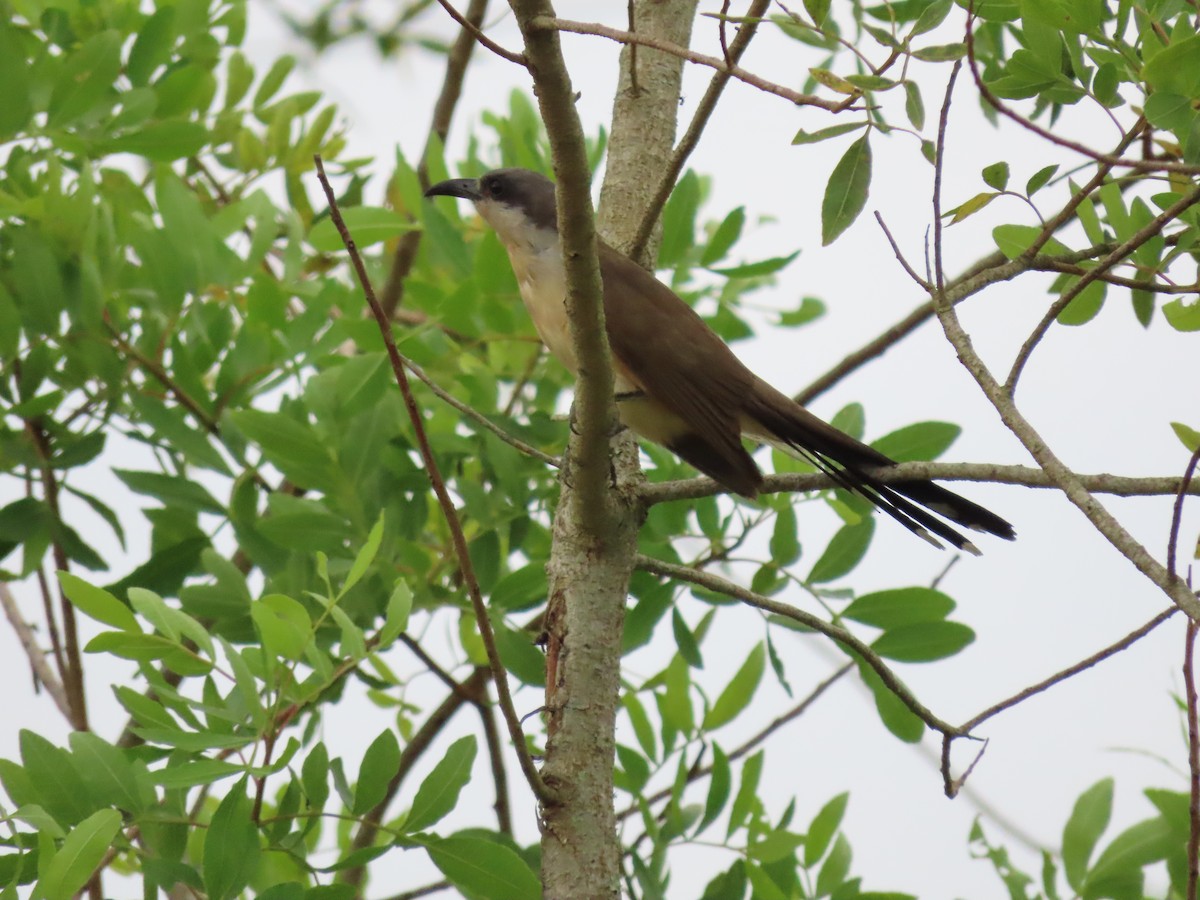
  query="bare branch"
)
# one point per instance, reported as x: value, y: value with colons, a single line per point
x: 993, y: 473
x: 469, y: 26
x: 42, y: 670
x: 712, y: 62
x: 1062, y: 476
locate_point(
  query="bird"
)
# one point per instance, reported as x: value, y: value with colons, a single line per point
x: 679, y: 385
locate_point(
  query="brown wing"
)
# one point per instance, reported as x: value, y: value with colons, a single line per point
x: 681, y: 365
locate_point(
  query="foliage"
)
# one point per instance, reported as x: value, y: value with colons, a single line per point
x: 174, y: 312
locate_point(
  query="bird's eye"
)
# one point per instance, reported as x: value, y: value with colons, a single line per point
x: 496, y: 190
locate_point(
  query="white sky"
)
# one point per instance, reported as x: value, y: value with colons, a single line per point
x: 1102, y: 395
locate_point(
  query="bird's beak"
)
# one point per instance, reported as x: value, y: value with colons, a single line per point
x: 467, y: 188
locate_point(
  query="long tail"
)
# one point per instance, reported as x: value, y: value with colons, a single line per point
x: 849, y: 462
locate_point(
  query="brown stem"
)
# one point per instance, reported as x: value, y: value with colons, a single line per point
x: 72, y: 677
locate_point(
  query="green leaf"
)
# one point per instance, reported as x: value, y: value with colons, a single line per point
x: 685, y: 641
x: 84, y: 85
x: 758, y: 269
x: 172, y: 491
x: 1122, y: 861
x: 97, y: 603
x: 835, y: 868
x: 82, y: 851
x: 190, y: 774
x: 899, y: 607
x: 380, y: 763
x: 747, y: 795
x: 231, y: 847
x: 484, y: 869
x: 367, y: 224
x: 785, y: 543
x: 109, y: 774
x: 737, y: 694
x: 846, y: 191
x: 641, y: 724
x: 679, y: 221
x: 1040, y: 179
x: 970, y: 207
x: 777, y: 845
x: 438, y: 793
x: 152, y: 47
x: 896, y: 717
x: 1176, y: 68
x: 719, y: 784
x: 724, y: 237
x: 398, y: 609
x: 1181, y: 316
x: 1189, y: 437
x: 810, y: 308
x: 845, y: 551
x: 292, y: 447
x: 817, y: 10
x: 1088, y: 820
x: 1013, y: 240
x: 314, y: 776
x: 941, y: 52
x: 283, y: 624
x: 1086, y: 305
x: 914, y: 107
x: 852, y: 419
x: 274, y: 79
x: 920, y: 441
x: 923, y: 642
x: 931, y: 16
x: 824, y: 134
x: 996, y: 175
x: 366, y: 555
x: 162, y: 141
x: 824, y: 826
x: 52, y: 773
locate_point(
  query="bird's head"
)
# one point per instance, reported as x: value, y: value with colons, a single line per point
x: 517, y: 203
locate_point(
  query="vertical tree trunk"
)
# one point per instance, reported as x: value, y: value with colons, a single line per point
x: 595, y: 540
x: 645, y: 112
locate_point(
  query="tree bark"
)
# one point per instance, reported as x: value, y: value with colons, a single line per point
x: 645, y: 113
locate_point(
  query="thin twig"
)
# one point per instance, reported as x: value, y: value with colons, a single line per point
x: 992, y: 473
x: 1189, y: 681
x: 72, y: 676
x: 851, y: 642
x: 42, y: 670
x: 712, y: 62
x: 633, y: 69
x: 1083, y: 665
x: 500, y: 676
x: 475, y: 416
x: 1193, y: 727
x: 503, y: 53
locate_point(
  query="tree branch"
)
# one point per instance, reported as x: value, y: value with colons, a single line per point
x: 992, y: 473
x: 712, y: 62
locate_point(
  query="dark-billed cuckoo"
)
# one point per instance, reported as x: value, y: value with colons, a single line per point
x: 677, y: 383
